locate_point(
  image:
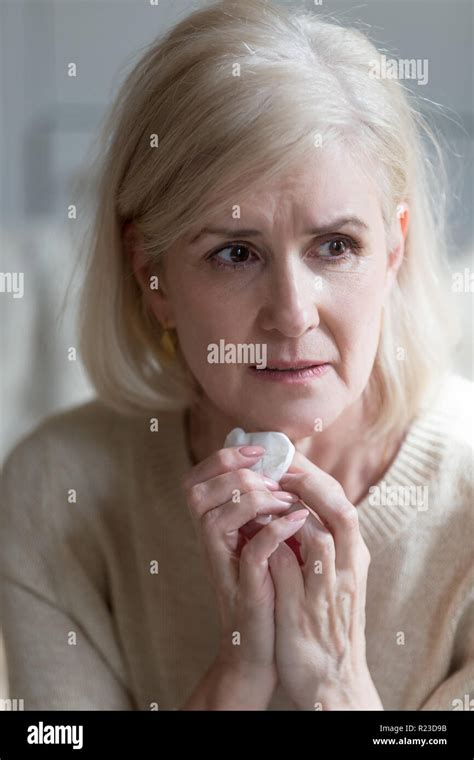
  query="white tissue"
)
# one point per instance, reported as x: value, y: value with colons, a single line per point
x: 279, y: 450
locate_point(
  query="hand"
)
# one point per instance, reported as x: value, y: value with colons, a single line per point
x: 320, y: 606
x: 238, y: 565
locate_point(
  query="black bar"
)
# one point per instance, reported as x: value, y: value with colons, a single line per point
x: 324, y: 735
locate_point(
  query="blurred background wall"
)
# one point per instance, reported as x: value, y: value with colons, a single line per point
x: 48, y: 120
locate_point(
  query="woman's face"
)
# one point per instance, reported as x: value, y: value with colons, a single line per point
x: 308, y: 284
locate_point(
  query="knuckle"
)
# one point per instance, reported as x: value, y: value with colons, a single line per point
x: 253, y: 507
x: 324, y: 543
x: 299, y: 478
x: 223, y: 458
x: 305, y: 479
x: 346, y: 516
x: 335, y: 493
x: 246, y: 479
x: 208, y: 522
x: 255, y: 500
x: 349, y: 585
x: 258, y: 498
x: 196, y: 496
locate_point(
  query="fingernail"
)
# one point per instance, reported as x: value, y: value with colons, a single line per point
x: 298, y: 515
x: 287, y: 497
x: 252, y: 451
x: 271, y: 483
x: 264, y: 520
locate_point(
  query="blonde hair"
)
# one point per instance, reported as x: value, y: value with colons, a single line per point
x: 298, y: 75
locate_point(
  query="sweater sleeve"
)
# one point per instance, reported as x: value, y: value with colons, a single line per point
x: 456, y: 692
x: 58, y: 633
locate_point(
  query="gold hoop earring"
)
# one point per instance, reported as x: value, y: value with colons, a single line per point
x: 167, y: 344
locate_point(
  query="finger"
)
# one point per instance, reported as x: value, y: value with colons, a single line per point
x: 219, y: 531
x: 230, y: 517
x: 288, y: 582
x: 256, y: 553
x: 251, y: 528
x: 318, y: 552
x: 228, y: 486
x: 222, y: 461
x: 323, y: 494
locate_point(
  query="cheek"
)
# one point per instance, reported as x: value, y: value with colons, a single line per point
x: 360, y: 293
x: 205, y: 323
x: 353, y: 317
x: 200, y: 328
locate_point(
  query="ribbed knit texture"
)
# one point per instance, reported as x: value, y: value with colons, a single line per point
x: 91, y: 499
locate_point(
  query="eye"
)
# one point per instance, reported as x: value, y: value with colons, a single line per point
x: 339, y: 248
x: 238, y: 256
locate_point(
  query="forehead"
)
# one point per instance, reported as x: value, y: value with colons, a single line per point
x: 326, y: 185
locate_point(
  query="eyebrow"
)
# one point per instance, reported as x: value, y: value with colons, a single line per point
x: 232, y: 233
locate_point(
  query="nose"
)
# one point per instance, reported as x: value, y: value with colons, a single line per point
x: 289, y: 304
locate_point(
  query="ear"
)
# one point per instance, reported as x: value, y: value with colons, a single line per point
x: 397, y: 245
x: 146, y: 274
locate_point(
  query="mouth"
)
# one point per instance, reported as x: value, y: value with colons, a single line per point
x: 291, y: 372
x: 285, y: 366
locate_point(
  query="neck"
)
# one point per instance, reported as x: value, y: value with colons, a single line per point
x: 341, y: 450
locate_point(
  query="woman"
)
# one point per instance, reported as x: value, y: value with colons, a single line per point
x: 258, y: 188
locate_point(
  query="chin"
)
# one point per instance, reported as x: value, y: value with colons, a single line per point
x: 295, y: 422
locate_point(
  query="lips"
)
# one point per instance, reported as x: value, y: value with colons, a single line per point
x: 292, y: 365
x: 303, y: 374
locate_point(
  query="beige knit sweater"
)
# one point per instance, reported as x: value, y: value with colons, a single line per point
x: 91, y: 501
